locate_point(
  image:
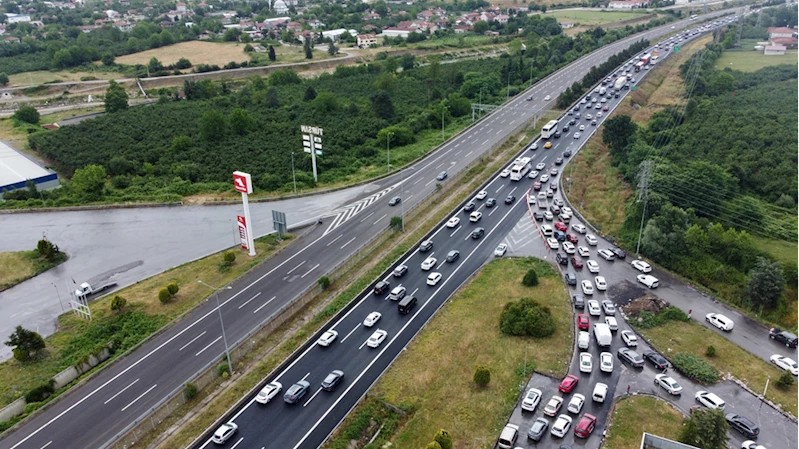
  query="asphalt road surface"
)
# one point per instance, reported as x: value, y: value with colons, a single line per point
x: 122, y: 393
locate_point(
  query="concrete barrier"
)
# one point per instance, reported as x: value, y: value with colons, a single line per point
x: 13, y: 409
x: 65, y: 377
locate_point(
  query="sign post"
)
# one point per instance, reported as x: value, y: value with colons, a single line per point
x: 242, y: 182
x: 312, y: 143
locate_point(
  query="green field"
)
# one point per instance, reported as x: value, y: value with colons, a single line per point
x: 749, y: 61
x: 590, y: 18
x: 633, y: 416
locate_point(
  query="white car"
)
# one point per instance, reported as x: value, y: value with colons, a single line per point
x: 371, y: 319
x: 553, y: 406
x: 579, y: 228
x: 576, y: 404
x: 327, y: 338
x: 613, y: 325
x: 600, y: 392
x: 591, y: 239
x: 224, y: 432
x: 500, y: 250
x: 544, y: 178
x: 268, y: 392
x: 588, y: 288
x: 531, y: 199
x: 540, y: 166
x: 566, y: 210
x: 710, y: 400
x: 481, y: 195
x: 583, y: 251
x: 577, y: 135
x: 552, y: 242
x: 586, y: 362
x: 648, y: 280
x: 606, y: 362
x: 561, y: 426
x: 641, y: 266
x: 504, y: 173
x: 475, y: 216
x: 601, y: 283
x: 533, y: 174
x: 582, y: 127
x: 608, y: 307
x: 547, y: 98
x: 531, y: 399
x: 429, y: 263
x: 785, y: 363
x: 668, y: 384
x: 548, y: 215
x: 433, y: 278
x: 629, y: 339
x: 593, y: 267
x: 376, y: 338
x: 593, y: 308
x: 453, y: 222
x: 568, y: 247
x: 720, y: 321
x: 606, y: 254
x: 749, y: 444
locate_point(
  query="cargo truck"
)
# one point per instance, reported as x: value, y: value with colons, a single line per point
x: 602, y: 335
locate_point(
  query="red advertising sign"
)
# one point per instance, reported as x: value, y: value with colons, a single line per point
x: 242, y: 230
x: 242, y: 182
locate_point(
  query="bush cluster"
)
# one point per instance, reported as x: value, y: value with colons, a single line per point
x: 648, y: 320
x: 482, y: 376
x: 168, y: 292
x: 695, y: 368
x: 526, y: 318
x: 530, y: 278
x: 47, y: 249
x: 40, y: 393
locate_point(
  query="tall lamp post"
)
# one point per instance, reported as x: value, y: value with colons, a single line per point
x: 443, y: 110
x: 222, y: 323
x: 388, y: 151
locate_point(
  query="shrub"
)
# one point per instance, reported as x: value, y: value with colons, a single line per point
x: 444, y: 439
x: 27, y: 114
x: 710, y: 351
x: 396, y: 223
x: 785, y: 381
x: 172, y: 288
x: 118, y: 303
x: 433, y: 445
x: 189, y: 391
x: 46, y: 249
x: 164, y: 296
x: 482, y: 376
x: 324, y: 282
x: 25, y: 342
x: 530, y: 278
x: 40, y: 393
x: 695, y: 368
x: 229, y: 257
x: 223, y: 370
x: 526, y: 318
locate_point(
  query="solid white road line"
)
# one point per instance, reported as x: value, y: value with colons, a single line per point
x: 191, y: 341
x: 309, y: 271
x: 264, y: 305
x: 311, y: 398
x: 334, y: 240
x: 348, y: 242
x: 248, y: 301
x: 348, y: 335
x: 209, y: 345
x: 140, y: 396
x: 120, y: 392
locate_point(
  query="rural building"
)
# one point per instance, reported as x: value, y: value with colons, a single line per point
x: 398, y: 32
x: 781, y: 32
x: 334, y: 35
x: 17, y: 18
x: 788, y: 42
x: 774, y: 50
x: 16, y: 170
x: 566, y: 25
x: 628, y: 4
x: 367, y: 40
x: 280, y: 7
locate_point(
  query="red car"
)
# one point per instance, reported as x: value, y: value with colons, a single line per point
x: 582, y: 322
x: 577, y: 262
x: 561, y: 226
x: 571, y: 237
x: 585, y: 426
x: 568, y: 383
x: 537, y: 186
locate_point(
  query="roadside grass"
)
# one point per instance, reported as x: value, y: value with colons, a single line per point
x: 21, y: 265
x: 674, y: 337
x: 47, y: 76
x: 294, y: 333
x: 74, y: 335
x: 592, y: 18
x: 632, y: 416
x: 782, y: 250
x: 751, y: 60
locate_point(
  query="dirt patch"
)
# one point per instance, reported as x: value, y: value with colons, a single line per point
x: 646, y: 303
x: 197, y: 52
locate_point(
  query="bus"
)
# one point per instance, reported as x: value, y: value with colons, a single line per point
x: 693, y: 17
x: 638, y: 66
x: 549, y: 129
x: 520, y: 169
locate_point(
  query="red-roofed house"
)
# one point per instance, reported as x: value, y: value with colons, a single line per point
x: 788, y: 42
x: 367, y: 40
x: 425, y: 15
x: 502, y: 18
x: 780, y: 32
x: 774, y: 50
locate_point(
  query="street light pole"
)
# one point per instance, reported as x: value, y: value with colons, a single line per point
x: 59, y: 297
x: 293, y: 176
x: 222, y: 323
x: 388, y: 151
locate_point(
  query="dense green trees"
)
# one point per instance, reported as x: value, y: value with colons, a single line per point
x: 116, y: 99
x: 706, y: 428
x: 766, y: 284
x: 25, y: 343
x: 27, y: 114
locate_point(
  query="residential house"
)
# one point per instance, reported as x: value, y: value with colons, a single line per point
x: 781, y: 32
x: 180, y: 7
x: 774, y: 50
x: 334, y: 35
x: 628, y: 4
x: 502, y: 19
x: 426, y: 15
x: 122, y: 26
x: 294, y: 26
x: 788, y: 42
x: 315, y: 24
x: 461, y: 29
x: 371, y: 16
x: 566, y: 25
x: 11, y: 39
x: 367, y: 40
x: 306, y: 35
x: 88, y: 28
x: 17, y: 18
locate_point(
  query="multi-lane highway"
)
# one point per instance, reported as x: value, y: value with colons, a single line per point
x: 119, y: 395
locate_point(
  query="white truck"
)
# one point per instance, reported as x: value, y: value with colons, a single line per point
x: 87, y: 290
x: 602, y: 335
x: 602, y: 90
x: 619, y: 82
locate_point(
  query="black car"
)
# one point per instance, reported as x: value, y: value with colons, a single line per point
x: 572, y: 122
x: 510, y: 199
x: 657, y: 360
x: 630, y: 357
x: 491, y: 202
x: 784, y: 337
x: 616, y: 95
x: 477, y: 233
x: 538, y: 215
x: 296, y: 392
x: 557, y: 134
x: 562, y: 258
x: 426, y: 246
x: 559, y: 161
x: 394, y: 201
x: 559, y: 236
x: 453, y: 255
x: 468, y: 207
x: 566, y: 128
x: 579, y: 301
x: 381, y: 287
x: 620, y: 254
x: 567, y: 153
x: 332, y: 379
x: 571, y: 279
x: 744, y: 425
x: 442, y: 176
x: 538, y: 430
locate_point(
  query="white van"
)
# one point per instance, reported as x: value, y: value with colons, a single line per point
x: 600, y: 391
x: 547, y: 230
x: 583, y: 340
x: 508, y: 436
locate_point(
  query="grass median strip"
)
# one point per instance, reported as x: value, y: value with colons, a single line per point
x: 433, y: 380
x: 21, y: 265
x: 634, y: 415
